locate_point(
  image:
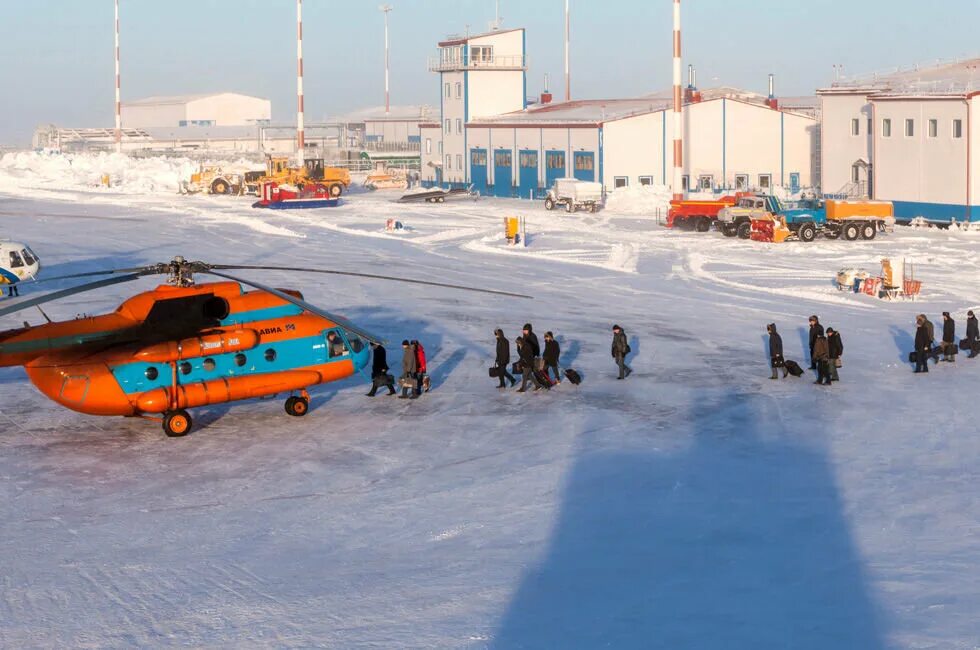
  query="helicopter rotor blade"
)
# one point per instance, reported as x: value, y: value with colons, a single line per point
x: 64, y: 293
x: 141, y: 270
x: 369, y: 276
x: 341, y: 322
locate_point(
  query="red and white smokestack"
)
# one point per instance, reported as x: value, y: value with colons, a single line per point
x: 118, y: 100
x: 300, y: 135
x: 387, y: 9
x: 568, y: 38
x: 677, y: 180
x: 546, y: 94
x: 772, y: 102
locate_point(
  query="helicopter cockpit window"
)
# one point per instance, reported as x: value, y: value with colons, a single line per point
x: 208, y: 364
x: 15, y: 260
x: 152, y: 373
x: 270, y: 355
x: 28, y: 258
x: 185, y: 368
x: 336, y: 345
x: 356, y: 344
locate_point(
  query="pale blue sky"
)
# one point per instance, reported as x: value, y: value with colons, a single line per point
x: 56, y: 55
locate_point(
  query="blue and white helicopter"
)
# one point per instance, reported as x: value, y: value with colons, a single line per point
x: 17, y: 263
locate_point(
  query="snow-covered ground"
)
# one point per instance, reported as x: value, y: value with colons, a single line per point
x: 696, y: 505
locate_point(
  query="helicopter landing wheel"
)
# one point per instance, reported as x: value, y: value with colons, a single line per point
x: 177, y: 423
x: 298, y: 406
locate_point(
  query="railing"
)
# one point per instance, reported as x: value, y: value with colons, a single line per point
x: 500, y: 62
x: 391, y: 147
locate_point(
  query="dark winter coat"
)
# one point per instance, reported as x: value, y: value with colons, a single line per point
x: 619, y: 344
x: 408, y: 362
x: 815, y: 331
x: 835, y: 346
x: 531, y: 340
x: 930, y: 330
x: 551, y: 352
x: 949, y: 330
x: 972, y: 329
x: 379, y: 366
x: 775, y: 344
x: 821, y: 350
x: 503, y: 352
x: 922, y: 339
x: 526, y: 354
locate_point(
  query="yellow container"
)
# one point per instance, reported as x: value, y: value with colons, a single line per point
x: 852, y: 209
x: 512, y: 226
x: 105, y: 180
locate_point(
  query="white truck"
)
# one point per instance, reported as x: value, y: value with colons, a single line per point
x: 574, y: 194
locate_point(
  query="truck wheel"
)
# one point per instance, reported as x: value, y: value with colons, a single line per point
x: 807, y: 232
x: 702, y: 224
x: 851, y: 231
x: 744, y: 230
x: 219, y: 186
x: 593, y: 207
x: 728, y: 230
x: 570, y: 207
x: 549, y: 204
x: 336, y: 190
x: 869, y: 230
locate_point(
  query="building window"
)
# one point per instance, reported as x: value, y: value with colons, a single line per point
x: 855, y: 174
x: 741, y: 182
x: 428, y: 145
x: 646, y: 180
x: 529, y: 159
x: 440, y: 147
x: 871, y: 127
x: 886, y: 128
x: 459, y: 89
x: 502, y: 159
x: 459, y: 161
x: 584, y: 162
x: 705, y: 183
x: 933, y: 128
x: 481, y: 55
x: 478, y: 157
x: 448, y: 91
x: 459, y: 125
x: 765, y: 181
x: 909, y: 128
x: 620, y: 181
x: 449, y: 161
x: 855, y: 126
x: 685, y: 182
x: 555, y: 160
x: 957, y: 128
x: 449, y: 126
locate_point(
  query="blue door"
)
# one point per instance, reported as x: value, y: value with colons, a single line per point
x: 585, y: 165
x: 503, y: 176
x: 794, y: 182
x: 478, y: 170
x: 528, y: 187
x: 438, y: 176
x: 554, y: 167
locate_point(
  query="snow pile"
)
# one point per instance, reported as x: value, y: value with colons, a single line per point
x: 644, y: 199
x: 85, y: 171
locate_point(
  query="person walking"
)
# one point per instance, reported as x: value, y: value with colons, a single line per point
x: 421, y: 370
x: 923, y: 344
x: 620, y: 350
x: 409, y: 369
x: 379, y: 371
x: 816, y: 329
x: 835, y: 352
x: 776, y: 360
x: 552, y: 351
x: 503, y: 359
x: 821, y: 357
x: 972, y: 334
x: 949, y: 338
x: 525, y: 354
x: 532, y: 340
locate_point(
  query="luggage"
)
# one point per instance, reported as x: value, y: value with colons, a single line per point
x: 573, y: 376
x: 793, y: 368
x: 517, y: 368
x: 542, y: 378
x: 966, y: 344
x: 495, y: 371
x: 538, y: 363
x: 383, y: 380
x: 912, y: 357
x: 407, y: 382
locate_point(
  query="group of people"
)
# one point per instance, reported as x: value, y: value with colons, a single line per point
x: 827, y: 347
x: 925, y: 346
x: 414, y: 378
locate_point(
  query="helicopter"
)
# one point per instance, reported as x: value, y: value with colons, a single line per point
x: 17, y: 263
x: 185, y: 345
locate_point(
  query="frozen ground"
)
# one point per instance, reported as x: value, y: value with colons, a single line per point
x: 696, y: 505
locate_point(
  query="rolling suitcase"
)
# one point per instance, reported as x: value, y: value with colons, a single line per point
x: 573, y: 376
x: 542, y: 378
x: 793, y: 368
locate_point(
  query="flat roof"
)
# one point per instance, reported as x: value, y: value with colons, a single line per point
x: 960, y: 75
x: 182, y: 99
x: 459, y: 40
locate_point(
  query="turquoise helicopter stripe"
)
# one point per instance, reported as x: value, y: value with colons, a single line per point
x: 8, y: 276
x: 268, y: 313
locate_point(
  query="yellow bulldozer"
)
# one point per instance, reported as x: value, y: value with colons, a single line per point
x: 336, y: 180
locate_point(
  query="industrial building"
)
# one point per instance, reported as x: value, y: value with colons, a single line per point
x: 908, y: 137
x: 214, y: 109
x: 489, y: 137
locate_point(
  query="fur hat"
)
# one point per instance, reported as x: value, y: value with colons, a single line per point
x: 527, y: 326
x: 616, y: 327
x: 405, y: 342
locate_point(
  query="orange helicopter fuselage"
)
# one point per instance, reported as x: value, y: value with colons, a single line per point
x: 183, y: 347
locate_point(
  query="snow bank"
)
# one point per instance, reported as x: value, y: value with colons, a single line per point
x: 644, y: 199
x: 84, y: 171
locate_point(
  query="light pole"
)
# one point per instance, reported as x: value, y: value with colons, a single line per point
x: 568, y: 73
x: 300, y: 131
x: 118, y: 133
x: 386, y: 9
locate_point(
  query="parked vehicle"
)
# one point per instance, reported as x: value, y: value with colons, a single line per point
x: 436, y: 195
x: 697, y: 215
x: 334, y: 179
x: 849, y: 220
x: 737, y: 220
x: 213, y: 179
x: 283, y: 196
x: 574, y: 194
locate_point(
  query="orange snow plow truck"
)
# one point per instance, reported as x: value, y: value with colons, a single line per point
x: 697, y: 215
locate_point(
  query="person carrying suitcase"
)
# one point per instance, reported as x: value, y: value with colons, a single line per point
x: 972, y: 334
x: 949, y: 338
x: 923, y: 345
x: 503, y: 359
x: 816, y: 329
x: 835, y: 351
x: 408, y: 379
x: 552, y: 352
x: 379, y: 371
x: 776, y: 352
x: 525, y: 354
x: 821, y: 357
x: 620, y: 350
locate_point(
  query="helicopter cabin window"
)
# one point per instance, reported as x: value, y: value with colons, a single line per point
x: 28, y: 258
x: 209, y: 364
x: 15, y: 260
x: 152, y: 373
x: 240, y: 360
x: 356, y: 344
x: 270, y: 355
x: 186, y: 367
x: 335, y: 344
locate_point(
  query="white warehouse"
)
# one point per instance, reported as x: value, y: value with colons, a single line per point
x: 489, y: 138
x: 908, y: 137
x: 215, y: 109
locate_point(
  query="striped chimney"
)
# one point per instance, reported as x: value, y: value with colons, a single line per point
x: 118, y: 101
x: 568, y: 38
x: 677, y: 181
x: 300, y: 135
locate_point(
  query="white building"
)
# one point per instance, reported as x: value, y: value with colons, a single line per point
x: 215, y: 109
x: 905, y: 137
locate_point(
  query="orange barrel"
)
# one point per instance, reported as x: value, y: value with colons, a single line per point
x: 233, y: 341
